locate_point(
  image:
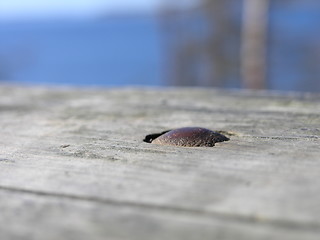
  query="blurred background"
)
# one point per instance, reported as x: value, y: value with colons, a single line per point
x: 255, y: 44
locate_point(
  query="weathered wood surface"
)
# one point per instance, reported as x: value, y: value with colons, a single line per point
x: 74, y: 166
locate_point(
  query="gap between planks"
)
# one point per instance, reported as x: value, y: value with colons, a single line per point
x: 278, y: 223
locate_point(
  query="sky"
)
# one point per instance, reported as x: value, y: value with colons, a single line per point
x: 17, y: 9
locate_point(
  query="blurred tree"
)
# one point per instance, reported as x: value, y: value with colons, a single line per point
x: 182, y: 46
x: 203, y: 43
x: 222, y: 43
x: 253, y: 59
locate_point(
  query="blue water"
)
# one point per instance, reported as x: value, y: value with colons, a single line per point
x: 119, y: 51
x: 114, y: 51
x: 294, y: 46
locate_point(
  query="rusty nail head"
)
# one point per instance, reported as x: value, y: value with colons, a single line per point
x: 187, y: 137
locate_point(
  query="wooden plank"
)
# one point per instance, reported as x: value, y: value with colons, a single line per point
x: 36, y: 216
x: 79, y: 153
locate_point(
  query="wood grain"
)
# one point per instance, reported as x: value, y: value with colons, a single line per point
x: 74, y: 166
